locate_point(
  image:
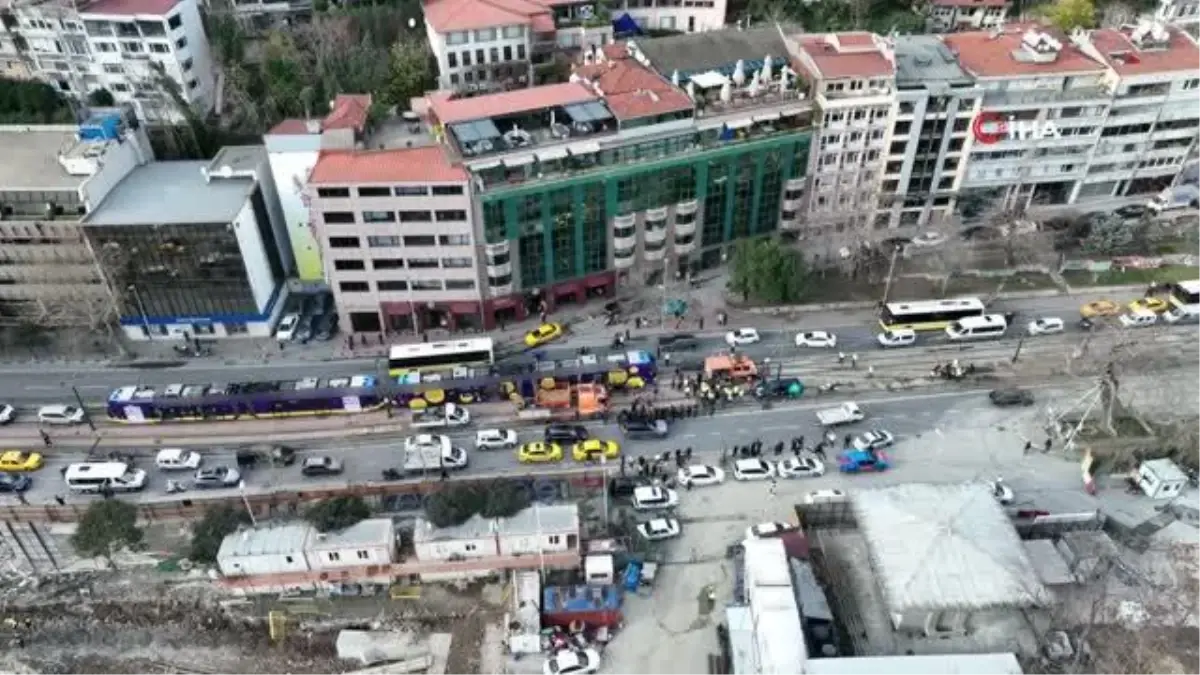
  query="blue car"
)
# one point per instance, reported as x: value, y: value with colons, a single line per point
x: 860, y: 461
x: 14, y: 482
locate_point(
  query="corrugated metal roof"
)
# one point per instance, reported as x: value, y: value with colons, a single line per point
x: 276, y: 540
x: 369, y: 532
x: 541, y: 518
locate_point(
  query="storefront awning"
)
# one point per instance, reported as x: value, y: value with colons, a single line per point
x: 709, y: 80
x: 551, y: 155
x: 739, y: 124
x: 519, y: 160
x: 769, y: 117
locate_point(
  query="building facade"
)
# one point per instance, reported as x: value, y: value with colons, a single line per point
x: 189, y: 250
x: 125, y: 47
x: 52, y: 177
x: 551, y: 531
x: 943, y: 16
x: 367, y: 542
x: 689, y: 16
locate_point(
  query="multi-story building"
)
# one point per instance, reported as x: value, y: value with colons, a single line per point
x: 689, y: 16
x: 1153, y: 121
x: 936, y: 100
x: 1044, y: 105
x: 134, y: 49
x: 943, y: 16
x: 50, y: 177
x: 852, y: 77
x: 1182, y: 13
x: 189, y: 249
x: 487, y: 45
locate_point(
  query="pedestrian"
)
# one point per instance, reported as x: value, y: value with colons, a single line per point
x: 1048, y: 444
x: 46, y: 440
x: 445, y: 475
x: 60, y: 500
x: 841, y: 358
x: 282, y: 344
x: 1028, y: 447
x: 854, y: 361
x: 21, y: 498
x: 846, y: 441
x: 627, y: 334
x: 772, y: 488
x: 688, y: 486
x: 700, y: 323
x: 779, y: 448
x: 667, y: 359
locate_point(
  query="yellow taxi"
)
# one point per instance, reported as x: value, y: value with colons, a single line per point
x: 531, y: 453
x: 1156, y: 305
x: 17, y: 460
x: 547, y: 332
x: 594, y: 449
x: 1097, y: 308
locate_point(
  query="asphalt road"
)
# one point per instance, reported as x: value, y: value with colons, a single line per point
x: 906, y: 415
x: 29, y: 389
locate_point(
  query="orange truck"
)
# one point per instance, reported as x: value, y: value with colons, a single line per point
x: 589, y: 400
x: 733, y: 366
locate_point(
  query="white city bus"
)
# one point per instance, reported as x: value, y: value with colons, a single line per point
x: 929, y: 314
x: 97, y: 476
x: 431, y: 356
x: 1184, y: 297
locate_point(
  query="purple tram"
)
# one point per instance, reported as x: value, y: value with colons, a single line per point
x: 246, y: 400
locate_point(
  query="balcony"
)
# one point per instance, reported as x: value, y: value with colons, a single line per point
x: 791, y: 205
x: 625, y: 243
x: 656, y: 255
x: 656, y: 215
x: 684, y: 208
x: 496, y: 249
x: 496, y: 291
x: 621, y: 222
x: 685, y: 228
x: 794, y: 184
x: 1027, y: 98
x: 623, y: 260
x: 685, y: 246
x: 654, y: 235
x: 499, y: 269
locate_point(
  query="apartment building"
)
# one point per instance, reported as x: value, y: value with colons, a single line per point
x: 944, y: 16
x: 1182, y: 13
x: 689, y: 16
x: 936, y: 102
x: 489, y: 45
x: 50, y: 178
x: 396, y: 227
x: 1044, y: 104
x: 123, y: 46
x: 852, y: 77
x: 1153, y: 120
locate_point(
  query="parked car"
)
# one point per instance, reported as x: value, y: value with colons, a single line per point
x: 1046, y: 325
x: 622, y: 487
x: 1138, y: 319
x: 753, y: 469
x: 495, y: 439
x: 593, y: 449
x: 1131, y: 211
x: 700, y: 475
x: 1152, y: 304
x: 1098, y: 308
x: 216, y: 477
x: 19, y: 460
x: 286, y: 331
x: 14, y: 482
x: 1011, y: 396
x: 7, y: 413
x: 770, y: 530
x: 565, y: 433
x: 321, y: 465
x: 742, y: 336
x: 60, y: 414
x: 816, y: 338
x: 572, y: 662
x: 678, y: 342
x: 900, y: 337
x: 326, y: 327
x: 801, y: 467
x: 650, y: 498
x: 659, y: 529
x: 928, y: 239
x: 536, y: 453
x: 646, y: 429
x: 875, y: 439
x: 177, y: 459
x: 860, y: 461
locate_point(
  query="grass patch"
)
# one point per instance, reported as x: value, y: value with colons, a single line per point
x: 965, y: 285
x: 1115, y: 277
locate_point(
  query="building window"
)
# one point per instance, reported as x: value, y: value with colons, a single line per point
x: 455, y: 240
x: 159, y: 48
x: 186, y: 65
x: 420, y: 240
x: 422, y: 263
x: 485, y: 35
x: 513, y: 32
x: 340, y: 217
x: 374, y: 191
x: 343, y: 242
x: 447, y: 190
x: 466, y: 58
x: 364, y: 555
x: 106, y: 47
x: 333, y: 193
x: 1191, y: 84
x: 468, y: 547
x: 174, y: 22
x: 334, y: 556
x: 383, y: 241
x: 454, y: 78
x: 459, y: 38
x: 131, y: 47
x: 426, y: 285
x: 479, y: 60
x: 354, y: 286
x: 349, y: 265
x: 379, y: 216
x: 193, y: 83
x: 113, y: 69
x: 415, y: 217
x: 450, y: 216
x: 181, y: 43
x: 388, y: 263
x: 457, y: 263
x: 554, y: 539
x: 460, y: 284
x: 386, y: 286
x: 411, y: 190
x: 452, y: 59
x: 288, y: 559
x: 520, y: 52
x: 495, y: 54
x: 508, y: 53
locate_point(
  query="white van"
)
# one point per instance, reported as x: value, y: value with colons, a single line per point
x: 1138, y: 318
x: 96, y: 476
x: 60, y: 414
x: 977, y: 327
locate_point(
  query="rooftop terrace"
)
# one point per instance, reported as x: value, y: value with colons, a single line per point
x: 32, y: 157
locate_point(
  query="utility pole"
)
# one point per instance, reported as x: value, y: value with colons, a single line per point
x: 887, y: 285
x: 1017, y: 354
x: 87, y: 416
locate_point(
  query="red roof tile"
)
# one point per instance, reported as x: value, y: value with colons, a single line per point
x: 403, y: 165
x: 969, y: 3
x: 129, y: 7
x: 986, y: 54
x: 632, y: 90
x: 449, y: 111
x: 449, y: 16
x: 1119, y: 51
x: 290, y: 127
x: 349, y: 112
x: 847, y: 55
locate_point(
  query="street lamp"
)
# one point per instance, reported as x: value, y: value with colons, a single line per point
x: 137, y: 298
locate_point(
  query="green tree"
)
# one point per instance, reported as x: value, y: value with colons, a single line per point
x: 29, y: 102
x: 1067, y: 15
x: 503, y: 499
x: 409, y: 74
x: 765, y: 271
x: 453, y: 505
x: 108, y: 526
x: 1111, y: 234
x: 207, y: 534
x: 101, y: 98
x: 337, y: 513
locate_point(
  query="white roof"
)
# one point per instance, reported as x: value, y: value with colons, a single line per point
x: 369, y: 532
x: 766, y: 563
x: 1165, y: 470
x: 925, y: 664
x: 945, y: 546
x: 709, y: 79
x: 649, y: 492
x: 173, y: 453
x: 550, y: 519
x: 476, y: 527
x: 781, y: 648
x: 276, y: 540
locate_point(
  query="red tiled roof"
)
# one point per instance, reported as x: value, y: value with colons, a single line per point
x: 290, y: 127
x: 129, y: 7
x: 449, y: 111
x: 969, y: 3
x: 349, y: 112
x: 846, y: 55
x: 403, y: 165
x: 543, y: 23
x: 1118, y: 50
x: 449, y: 16
x: 985, y: 54
x: 632, y: 90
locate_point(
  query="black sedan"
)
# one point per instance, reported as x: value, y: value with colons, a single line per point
x: 1131, y: 211
x: 565, y: 433
x: 14, y: 482
x: 1011, y: 396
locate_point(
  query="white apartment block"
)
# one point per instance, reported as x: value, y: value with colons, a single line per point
x: 123, y: 46
x: 688, y: 16
x: 852, y: 78
x: 1182, y: 13
x: 943, y: 16
x: 1154, y: 119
